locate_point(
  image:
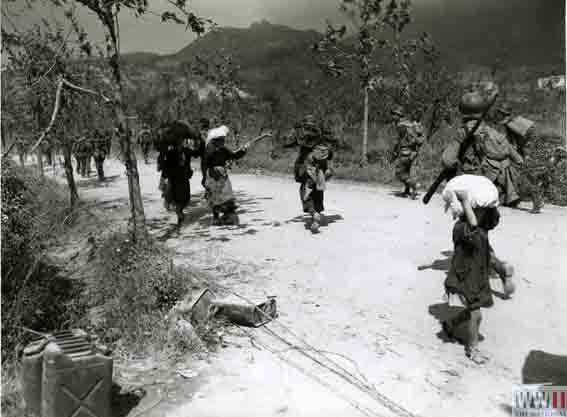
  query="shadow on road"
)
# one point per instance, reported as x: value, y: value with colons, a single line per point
x: 200, y: 214
x: 306, y: 220
x: 444, y: 312
x: 439, y: 264
x: 542, y: 367
x: 94, y: 182
x: 112, y: 204
x: 124, y: 401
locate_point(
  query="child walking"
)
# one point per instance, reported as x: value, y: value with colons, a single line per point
x: 468, y: 278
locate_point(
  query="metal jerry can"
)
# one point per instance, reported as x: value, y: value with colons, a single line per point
x: 31, y: 374
x: 76, y: 379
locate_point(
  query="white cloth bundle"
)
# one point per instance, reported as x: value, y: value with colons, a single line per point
x: 219, y: 132
x: 481, y: 191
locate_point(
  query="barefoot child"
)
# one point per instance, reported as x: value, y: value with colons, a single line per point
x: 469, y: 274
x: 482, y: 193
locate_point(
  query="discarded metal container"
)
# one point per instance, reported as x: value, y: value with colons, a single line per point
x: 30, y: 375
x: 64, y: 375
x: 247, y: 315
x: 205, y: 307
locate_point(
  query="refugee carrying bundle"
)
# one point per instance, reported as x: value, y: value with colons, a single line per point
x: 482, y: 193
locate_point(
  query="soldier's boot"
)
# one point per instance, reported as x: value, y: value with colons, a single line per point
x: 316, y: 222
x: 230, y: 218
x: 537, y: 202
x: 412, y: 185
x: 216, y: 218
x: 100, y: 170
x: 180, y: 215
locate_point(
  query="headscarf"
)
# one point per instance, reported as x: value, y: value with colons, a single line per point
x: 219, y: 132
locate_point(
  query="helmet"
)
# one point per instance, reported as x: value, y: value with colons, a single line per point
x: 504, y: 112
x: 309, y: 121
x: 204, y: 123
x: 472, y: 105
x: 397, y: 110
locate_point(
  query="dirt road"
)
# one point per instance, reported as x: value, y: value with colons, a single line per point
x: 368, y: 291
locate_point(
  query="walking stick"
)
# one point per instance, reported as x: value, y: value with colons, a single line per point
x: 253, y: 141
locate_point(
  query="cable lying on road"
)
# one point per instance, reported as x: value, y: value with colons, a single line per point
x: 364, y: 410
x: 324, y: 361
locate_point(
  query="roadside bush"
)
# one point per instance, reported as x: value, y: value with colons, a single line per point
x: 133, y: 286
x: 34, y: 294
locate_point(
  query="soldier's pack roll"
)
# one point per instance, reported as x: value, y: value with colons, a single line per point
x: 481, y: 191
x: 520, y: 125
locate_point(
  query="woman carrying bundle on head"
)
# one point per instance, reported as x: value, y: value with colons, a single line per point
x: 474, y: 202
x: 217, y: 183
x: 180, y: 142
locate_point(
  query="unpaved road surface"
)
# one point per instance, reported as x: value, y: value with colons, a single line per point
x: 368, y: 291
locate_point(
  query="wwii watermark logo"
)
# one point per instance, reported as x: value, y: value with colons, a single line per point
x: 539, y: 401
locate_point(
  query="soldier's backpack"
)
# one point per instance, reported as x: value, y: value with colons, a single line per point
x: 496, y: 145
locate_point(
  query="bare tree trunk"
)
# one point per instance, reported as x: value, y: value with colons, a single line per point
x: 38, y: 151
x: 73, y: 195
x: 137, y: 222
x: 365, y: 127
x: 40, y: 163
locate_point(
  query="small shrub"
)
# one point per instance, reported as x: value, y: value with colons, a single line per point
x: 135, y: 285
x: 34, y: 294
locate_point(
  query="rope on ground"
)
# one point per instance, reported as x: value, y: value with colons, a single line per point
x: 364, y: 410
x: 334, y: 367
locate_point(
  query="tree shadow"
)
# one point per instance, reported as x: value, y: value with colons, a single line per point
x: 306, y: 220
x: 112, y: 204
x: 399, y: 194
x: 439, y: 264
x: 124, y: 401
x: 542, y: 367
x: 95, y: 183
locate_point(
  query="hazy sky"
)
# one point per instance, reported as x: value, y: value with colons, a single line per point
x: 150, y: 35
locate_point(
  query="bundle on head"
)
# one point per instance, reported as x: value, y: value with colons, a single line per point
x: 481, y: 191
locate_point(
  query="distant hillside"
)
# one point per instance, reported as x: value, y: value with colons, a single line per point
x: 264, y: 51
x: 471, y: 35
x: 136, y: 58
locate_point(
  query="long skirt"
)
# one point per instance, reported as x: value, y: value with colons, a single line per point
x: 219, y: 193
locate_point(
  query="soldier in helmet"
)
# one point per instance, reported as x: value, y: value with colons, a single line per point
x: 145, y: 142
x: 486, y: 152
x: 101, y: 148
x: 410, y: 139
x: 483, y: 151
x: 535, y: 172
x: 312, y: 166
x: 181, y: 142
